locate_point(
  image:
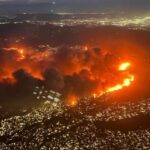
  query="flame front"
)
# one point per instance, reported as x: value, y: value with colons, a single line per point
x: 126, y: 81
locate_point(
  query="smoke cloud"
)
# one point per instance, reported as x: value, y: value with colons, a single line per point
x: 80, y: 71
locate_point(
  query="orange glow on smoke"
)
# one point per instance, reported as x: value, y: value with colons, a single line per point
x: 23, y: 58
x: 20, y: 52
x: 72, y: 100
x: 97, y: 70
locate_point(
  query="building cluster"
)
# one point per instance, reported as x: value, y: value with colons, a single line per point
x: 55, y: 126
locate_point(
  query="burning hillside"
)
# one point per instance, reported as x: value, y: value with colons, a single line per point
x: 72, y: 71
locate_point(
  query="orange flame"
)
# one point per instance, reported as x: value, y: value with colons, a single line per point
x: 124, y: 66
x: 126, y: 81
x: 36, y: 62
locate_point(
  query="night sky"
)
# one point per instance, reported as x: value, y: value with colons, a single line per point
x: 142, y: 2
x: 130, y: 6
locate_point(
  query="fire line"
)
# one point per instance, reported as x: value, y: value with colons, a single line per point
x: 126, y: 81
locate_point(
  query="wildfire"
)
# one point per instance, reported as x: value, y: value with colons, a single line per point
x: 124, y: 66
x: 126, y: 81
x: 69, y: 63
x: 20, y: 51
